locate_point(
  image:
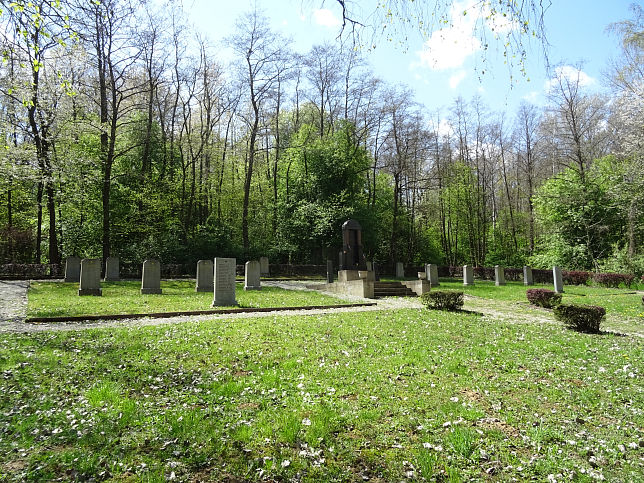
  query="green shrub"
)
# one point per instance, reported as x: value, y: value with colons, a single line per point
x: 443, y: 300
x: 582, y: 318
x: 543, y: 297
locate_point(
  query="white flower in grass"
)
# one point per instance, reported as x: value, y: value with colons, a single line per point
x: 286, y: 463
x: 306, y: 422
x: 453, y: 399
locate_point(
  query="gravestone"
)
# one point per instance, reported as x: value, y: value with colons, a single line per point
x: 224, y: 281
x: 151, y: 278
x: 90, y: 277
x: 400, y: 270
x: 251, y: 275
x: 352, y: 257
x: 340, y: 260
x: 431, y: 269
x: 499, y: 275
x: 527, y: 276
x: 72, y: 269
x: 112, y: 272
x: 329, y: 271
x: 468, y: 275
x: 263, y: 266
x: 204, y: 276
x: 369, y: 266
x: 376, y: 272
x: 558, y: 279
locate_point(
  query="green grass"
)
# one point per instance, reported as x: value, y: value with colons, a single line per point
x: 55, y: 299
x: 617, y: 301
x: 387, y: 396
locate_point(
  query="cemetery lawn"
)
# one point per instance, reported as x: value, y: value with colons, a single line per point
x: 56, y: 299
x: 387, y: 396
x: 616, y: 301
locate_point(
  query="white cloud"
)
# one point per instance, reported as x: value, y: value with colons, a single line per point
x: 571, y: 74
x: 456, y: 79
x: 326, y: 18
x: 450, y: 47
x: 443, y: 129
x: 531, y: 96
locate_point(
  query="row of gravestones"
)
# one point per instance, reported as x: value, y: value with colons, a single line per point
x: 217, y: 277
x: 431, y: 273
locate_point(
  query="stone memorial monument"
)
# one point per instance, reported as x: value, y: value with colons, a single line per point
x: 499, y: 275
x: 558, y: 279
x: 468, y: 275
x: 90, y: 277
x: 204, y: 276
x: 329, y: 271
x: 351, y: 257
x: 72, y: 269
x: 432, y: 274
x: 112, y: 272
x: 369, y: 266
x: 151, y: 278
x: 263, y: 266
x: 400, y: 270
x: 224, y: 281
x: 251, y: 275
x: 527, y: 276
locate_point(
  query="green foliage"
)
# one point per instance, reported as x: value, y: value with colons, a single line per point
x: 582, y: 318
x: 443, y: 300
x: 580, y: 219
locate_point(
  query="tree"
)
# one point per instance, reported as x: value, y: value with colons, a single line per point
x: 263, y: 51
x: 31, y: 32
x: 509, y: 24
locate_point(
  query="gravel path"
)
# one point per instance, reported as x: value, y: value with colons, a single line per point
x: 13, y: 305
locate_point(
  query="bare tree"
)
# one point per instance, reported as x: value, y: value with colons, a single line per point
x: 263, y: 51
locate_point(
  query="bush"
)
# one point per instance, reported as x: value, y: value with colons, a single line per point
x: 582, y: 318
x: 443, y: 300
x: 575, y: 277
x: 543, y: 297
x: 613, y: 280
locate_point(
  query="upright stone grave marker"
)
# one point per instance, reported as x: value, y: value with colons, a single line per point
x: 527, y: 276
x: 72, y: 269
x: 369, y: 266
x: 376, y: 271
x: 558, y: 279
x: 204, y: 276
x: 468, y: 275
x: 263, y: 266
x: 151, y: 278
x: 224, y: 281
x: 400, y: 270
x: 90, y: 277
x: 499, y: 275
x: 432, y: 274
x: 112, y: 272
x: 329, y: 271
x: 251, y: 275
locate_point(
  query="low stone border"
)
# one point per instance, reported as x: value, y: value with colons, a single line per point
x: 80, y: 318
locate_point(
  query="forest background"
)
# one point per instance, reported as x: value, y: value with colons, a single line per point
x: 125, y: 135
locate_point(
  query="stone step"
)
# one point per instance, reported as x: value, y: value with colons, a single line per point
x: 392, y: 289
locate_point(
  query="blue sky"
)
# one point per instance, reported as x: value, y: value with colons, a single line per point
x: 445, y: 66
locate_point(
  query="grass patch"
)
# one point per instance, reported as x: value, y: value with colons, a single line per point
x: 411, y: 394
x: 55, y: 299
x: 615, y: 301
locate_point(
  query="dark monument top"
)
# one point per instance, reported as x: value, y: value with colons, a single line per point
x: 352, y: 257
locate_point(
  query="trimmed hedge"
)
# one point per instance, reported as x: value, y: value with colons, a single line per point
x: 443, y: 300
x: 543, y: 297
x: 576, y: 277
x: 613, y: 280
x: 582, y: 318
